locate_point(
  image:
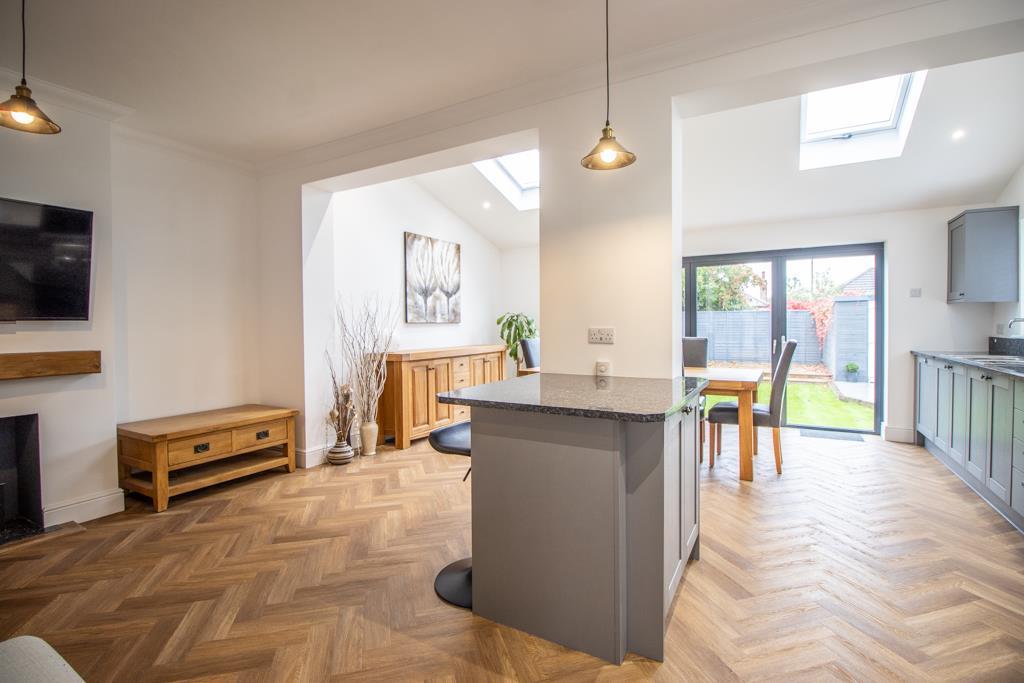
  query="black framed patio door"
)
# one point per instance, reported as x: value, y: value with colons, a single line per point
x: 828, y: 299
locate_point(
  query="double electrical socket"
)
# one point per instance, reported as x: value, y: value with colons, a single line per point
x: 601, y: 335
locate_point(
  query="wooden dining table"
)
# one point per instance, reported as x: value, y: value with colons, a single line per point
x: 741, y: 383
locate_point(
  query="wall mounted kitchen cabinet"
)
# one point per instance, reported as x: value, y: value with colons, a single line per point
x: 983, y: 251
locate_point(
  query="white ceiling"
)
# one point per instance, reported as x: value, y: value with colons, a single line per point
x: 741, y: 166
x: 463, y: 189
x: 255, y: 79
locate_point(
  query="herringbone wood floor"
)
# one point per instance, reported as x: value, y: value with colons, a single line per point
x: 864, y: 561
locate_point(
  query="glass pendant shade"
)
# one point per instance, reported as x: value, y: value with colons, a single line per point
x: 608, y: 154
x: 22, y: 113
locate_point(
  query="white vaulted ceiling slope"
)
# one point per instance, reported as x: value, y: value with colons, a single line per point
x: 256, y: 79
x: 463, y: 189
x: 741, y: 166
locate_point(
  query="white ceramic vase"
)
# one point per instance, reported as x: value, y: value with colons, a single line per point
x: 368, y: 438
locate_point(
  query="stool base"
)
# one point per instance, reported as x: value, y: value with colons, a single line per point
x: 454, y: 583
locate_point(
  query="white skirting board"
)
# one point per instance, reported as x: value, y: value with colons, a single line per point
x: 898, y: 434
x: 310, y: 457
x: 84, y: 509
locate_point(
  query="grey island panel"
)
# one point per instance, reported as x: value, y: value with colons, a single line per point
x: 628, y: 399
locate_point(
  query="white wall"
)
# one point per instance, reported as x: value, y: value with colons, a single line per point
x: 369, y: 245
x: 354, y: 249
x: 519, y: 291
x: 1013, y: 195
x: 915, y: 252
x: 184, y: 280
x: 174, y: 291
x: 77, y: 415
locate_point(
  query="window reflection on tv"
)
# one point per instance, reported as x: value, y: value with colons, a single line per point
x: 45, y: 261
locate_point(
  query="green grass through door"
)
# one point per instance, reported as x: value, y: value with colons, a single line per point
x: 815, y: 405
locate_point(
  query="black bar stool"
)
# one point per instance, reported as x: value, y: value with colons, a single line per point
x: 454, y: 583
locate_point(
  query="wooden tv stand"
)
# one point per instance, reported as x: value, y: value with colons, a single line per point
x: 167, y: 456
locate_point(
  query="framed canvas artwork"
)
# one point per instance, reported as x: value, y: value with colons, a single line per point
x: 433, y: 280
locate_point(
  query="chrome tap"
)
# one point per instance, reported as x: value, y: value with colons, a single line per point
x: 1015, y: 320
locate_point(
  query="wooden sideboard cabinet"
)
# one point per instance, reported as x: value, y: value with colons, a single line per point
x: 166, y: 456
x: 409, y: 408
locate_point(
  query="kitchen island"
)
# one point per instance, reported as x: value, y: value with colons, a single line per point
x: 585, y: 506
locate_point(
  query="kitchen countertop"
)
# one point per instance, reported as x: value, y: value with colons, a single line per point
x: 980, y: 359
x: 628, y: 399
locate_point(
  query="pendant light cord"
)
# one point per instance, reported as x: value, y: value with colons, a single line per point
x: 607, y: 66
x: 23, y: 82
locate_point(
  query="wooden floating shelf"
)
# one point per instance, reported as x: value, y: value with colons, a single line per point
x: 48, y: 364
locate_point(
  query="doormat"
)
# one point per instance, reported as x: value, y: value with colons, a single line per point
x: 826, y: 434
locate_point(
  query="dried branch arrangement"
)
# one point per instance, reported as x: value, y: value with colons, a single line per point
x: 365, y: 336
x: 341, y: 416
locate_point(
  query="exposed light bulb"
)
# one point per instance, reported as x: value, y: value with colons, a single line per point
x: 608, y: 155
x: 487, y: 205
x: 22, y: 118
x: 958, y: 133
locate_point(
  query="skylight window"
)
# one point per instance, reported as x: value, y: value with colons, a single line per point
x: 863, y: 121
x: 523, y: 168
x: 515, y: 176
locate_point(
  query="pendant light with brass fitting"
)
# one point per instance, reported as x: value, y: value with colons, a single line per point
x: 607, y: 154
x: 21, y: 111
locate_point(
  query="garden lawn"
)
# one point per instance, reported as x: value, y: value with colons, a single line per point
x: 815, y: 405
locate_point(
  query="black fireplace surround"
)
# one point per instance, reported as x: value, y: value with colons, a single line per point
x: 21, y: 496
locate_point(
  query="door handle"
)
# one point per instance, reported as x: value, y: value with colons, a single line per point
x: 773, y: 346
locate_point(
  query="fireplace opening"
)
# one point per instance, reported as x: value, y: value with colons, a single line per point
x: 21, y: 496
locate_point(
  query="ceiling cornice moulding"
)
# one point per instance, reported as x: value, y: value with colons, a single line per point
x: 67, y: 98
x: 147, y: 138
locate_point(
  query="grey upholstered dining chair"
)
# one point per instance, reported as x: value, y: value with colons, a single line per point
x: 695, y: 355
x: 531, y: 352
x: 764, y: 415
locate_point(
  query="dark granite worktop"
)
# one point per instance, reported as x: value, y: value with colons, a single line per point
x: 629, y: 399
x: 1011, y: 365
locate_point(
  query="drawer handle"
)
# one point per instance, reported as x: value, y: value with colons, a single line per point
x: 264, y: 434
x: 201, y: 447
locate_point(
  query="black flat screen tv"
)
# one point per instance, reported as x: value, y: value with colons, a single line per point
x: 45, y: 261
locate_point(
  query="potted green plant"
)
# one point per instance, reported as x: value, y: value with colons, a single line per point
x: 513, y: 328
x: 851, y: 371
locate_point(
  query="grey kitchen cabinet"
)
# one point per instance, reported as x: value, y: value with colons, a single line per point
x: 927, y: 395
x: 972, y: 420
x: 982, y: 259
x: 1000, y: 450
x: 978, y: 427
x: 960, y: 418
x: 944, y: 406
x: 690, y: 504
x: 1017, y: 496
